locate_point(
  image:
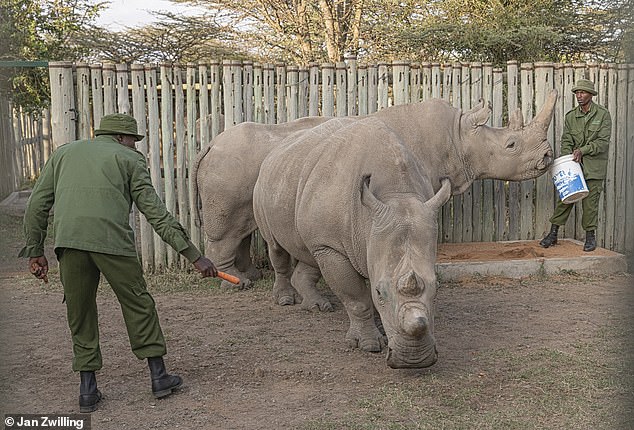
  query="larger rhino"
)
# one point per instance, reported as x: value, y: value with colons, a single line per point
x: 349, y: 200
x: 445, y: 140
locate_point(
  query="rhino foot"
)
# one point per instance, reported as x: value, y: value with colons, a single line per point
x: 243, y: 285
x: 286, y: 300
x: 370, y: 340
x: 321, y: 305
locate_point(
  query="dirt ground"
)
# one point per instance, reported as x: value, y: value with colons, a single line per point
x: 535, y: 353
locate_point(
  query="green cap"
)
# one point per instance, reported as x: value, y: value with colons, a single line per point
x: 584, y: 85
x: 118, y: 123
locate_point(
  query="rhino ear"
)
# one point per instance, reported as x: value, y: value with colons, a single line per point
x: 479, y: 115
x: 369, y: 200
x: 516, y: 121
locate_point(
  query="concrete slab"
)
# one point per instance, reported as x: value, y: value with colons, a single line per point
x: 517, y: 259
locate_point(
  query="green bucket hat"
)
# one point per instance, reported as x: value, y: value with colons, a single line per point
x: 118, y: 123
x: 584, y: 85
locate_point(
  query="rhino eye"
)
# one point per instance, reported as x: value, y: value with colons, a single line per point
x: 510, y: 144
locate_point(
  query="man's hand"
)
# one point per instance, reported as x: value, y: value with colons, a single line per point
x: 39, y: 267
x: 577, y: 156
x: 206, y: 267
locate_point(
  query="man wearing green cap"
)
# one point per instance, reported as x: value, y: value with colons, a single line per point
x: 586, y: 136
x: 92, y: 184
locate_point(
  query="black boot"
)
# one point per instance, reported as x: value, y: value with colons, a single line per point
x: 551, y: 238
x: 89, y: 395
x: 162, y: 383
x: 591, y: 241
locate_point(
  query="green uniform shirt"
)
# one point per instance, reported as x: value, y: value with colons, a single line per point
x: 590, y: 133
x: 93, y: 184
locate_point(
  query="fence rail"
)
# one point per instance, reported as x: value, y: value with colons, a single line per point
x: 205, y: 98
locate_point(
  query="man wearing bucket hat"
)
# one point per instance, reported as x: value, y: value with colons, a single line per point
x: 586, y: 136
x: 93, y: 184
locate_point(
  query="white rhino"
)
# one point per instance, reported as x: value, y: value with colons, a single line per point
x: 446, y: 141
x: 349, y: 200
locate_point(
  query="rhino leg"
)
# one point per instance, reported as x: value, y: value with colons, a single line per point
x: 353, y: 292
x: 243, y: 260
x: 223, y: 254
x: 283, y: 292
x: 304, y: 279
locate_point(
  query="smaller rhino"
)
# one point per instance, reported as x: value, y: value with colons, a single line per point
x: 352, y: 203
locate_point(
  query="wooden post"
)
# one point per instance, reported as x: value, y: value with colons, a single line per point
x: 63, y: 99
x: 96, y: 81
x: 363, y: 90
x: 619, y: 122
x: 292, y: 92
x: 247, y: 91
x: 303, y: 94
x: 427, y: 81
x: 313, y: 91
x: 383, y: 86
x: 436, y: 81
x: 258, y: 93
x: 341, y: 90
x: 629, y: 178
x: 514, y: 187
x: 215, y: 109
x: 475, y: 69
x: 138, y: 107
x: 456, y: 201
x: 488, y: 214
x: 467, y: 196
x: 527, y: 187
x: 373, y: 88
x: 84, y: 125
x: 415, y: 83
x: 500, y: 231
x: 545, y: 191
x: 328, y: 89
x: 280, y: 91
x: 180, y: 145
x: 400, y: 86
x: 203, y: 104
x: 352, y: 88
x: 109, y: 89
x: 123, y: 89
x: 154, y: 151
x: 194, y: 229
x: 269, y: 94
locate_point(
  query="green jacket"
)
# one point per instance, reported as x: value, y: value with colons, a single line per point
x: 589, y: 133
x: 92, y: 184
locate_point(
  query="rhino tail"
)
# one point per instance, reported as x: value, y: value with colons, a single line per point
x: 442, y: 196
x: 194, y: 197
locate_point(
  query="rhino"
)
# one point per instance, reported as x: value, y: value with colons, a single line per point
x: 348, y: 200
x: 447, y: 141
x: 225, y: 171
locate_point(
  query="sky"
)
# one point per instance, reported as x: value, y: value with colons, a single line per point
x: 135, y: 13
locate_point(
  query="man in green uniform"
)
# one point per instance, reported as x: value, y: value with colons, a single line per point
x: 586, y: 136
x: 92, y: 184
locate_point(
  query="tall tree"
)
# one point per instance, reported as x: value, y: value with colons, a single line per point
x: 40, y: 30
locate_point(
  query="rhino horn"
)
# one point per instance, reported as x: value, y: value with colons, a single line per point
x: 414, y: 322
x: 369, y: 200
x: 544, y: 117
x: 441, y: 197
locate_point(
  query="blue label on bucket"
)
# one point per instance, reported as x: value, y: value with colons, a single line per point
x: 568, y: 183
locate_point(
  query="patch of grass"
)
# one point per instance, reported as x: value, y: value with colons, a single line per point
x: 506, y: 389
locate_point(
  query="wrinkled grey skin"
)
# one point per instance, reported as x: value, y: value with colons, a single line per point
x: 446, y: 142
x: 348, y: 200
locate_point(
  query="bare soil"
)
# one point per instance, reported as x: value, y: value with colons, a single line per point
x: 536, y: 353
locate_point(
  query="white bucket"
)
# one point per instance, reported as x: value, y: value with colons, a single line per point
x: 568, y: 179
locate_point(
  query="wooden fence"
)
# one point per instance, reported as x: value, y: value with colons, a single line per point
x: 200, y: 96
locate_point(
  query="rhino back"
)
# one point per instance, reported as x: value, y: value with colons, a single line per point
x: 308, y: 192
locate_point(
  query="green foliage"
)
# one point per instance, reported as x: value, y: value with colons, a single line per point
x: 40, y: 30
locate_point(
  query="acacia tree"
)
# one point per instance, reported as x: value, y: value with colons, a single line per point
x: 294, y: 30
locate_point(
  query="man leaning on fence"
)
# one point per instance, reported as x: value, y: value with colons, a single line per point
x: 92, y: 184
x: 586, y: 135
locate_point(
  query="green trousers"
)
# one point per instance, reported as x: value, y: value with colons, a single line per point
x: 80, y: 272
x: 589, y: 206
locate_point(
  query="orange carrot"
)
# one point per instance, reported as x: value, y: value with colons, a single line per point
x: 228, y: 277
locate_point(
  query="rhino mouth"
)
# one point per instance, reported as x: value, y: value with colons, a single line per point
x: 412, y: 356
